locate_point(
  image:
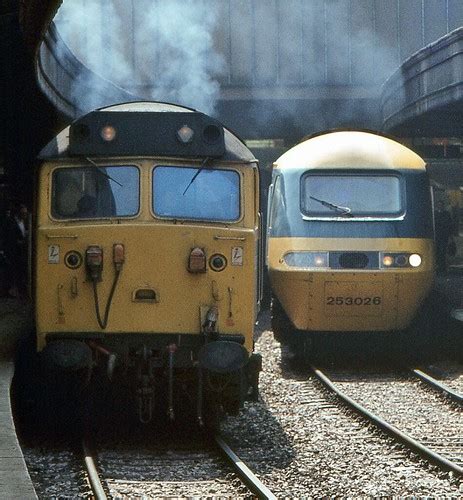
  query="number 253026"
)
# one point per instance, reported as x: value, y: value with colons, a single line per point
x: 353, y: 301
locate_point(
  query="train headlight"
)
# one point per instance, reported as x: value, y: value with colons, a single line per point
x: 185, y: 134
x: 313, y: 260
x: 392, y: 260
x: 388, y: 261
x: 108, y: 133
x: 415, y: 260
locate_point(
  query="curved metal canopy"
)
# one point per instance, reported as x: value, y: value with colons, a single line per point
x: 424, y: 97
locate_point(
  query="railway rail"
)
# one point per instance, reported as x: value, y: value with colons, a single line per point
x: 246, y: 476
x: 439, y: 386
x: 393, y: 402
x: 243, y: 471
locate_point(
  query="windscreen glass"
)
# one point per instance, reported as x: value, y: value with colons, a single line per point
x: 351, y: 195
x: 196, y: 193
x: 95, y: 192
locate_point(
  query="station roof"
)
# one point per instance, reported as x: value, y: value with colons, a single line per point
x: 424, y: 96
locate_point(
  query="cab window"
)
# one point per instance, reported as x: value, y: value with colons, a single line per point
x: 196, y: 193
x: 95, y: 192
x: 351, y: 195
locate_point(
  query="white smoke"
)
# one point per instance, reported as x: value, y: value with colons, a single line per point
x: 323, y: 60
x: 168, y: 57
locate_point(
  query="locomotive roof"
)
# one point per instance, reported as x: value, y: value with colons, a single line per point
x: 235, y: 149
x: 350, y: 149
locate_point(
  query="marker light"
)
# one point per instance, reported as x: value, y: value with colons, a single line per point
x: 211, y: 134
x: 108, y: 133
x: 401, y: 260
x: 94, y: 262
x: 415, y: 260
x: 185, y: 134
x: 394, y: 260
x: 388, y: 261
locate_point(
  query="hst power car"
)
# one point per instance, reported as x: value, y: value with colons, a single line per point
x: 350, y: 236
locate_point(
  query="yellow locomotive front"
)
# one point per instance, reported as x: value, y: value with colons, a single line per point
x: 350, y: 235
x: 147, y: 254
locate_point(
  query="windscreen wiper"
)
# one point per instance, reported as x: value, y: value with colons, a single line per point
x: 200, y: 169
x: 336, y: 208
x: 102, y: 172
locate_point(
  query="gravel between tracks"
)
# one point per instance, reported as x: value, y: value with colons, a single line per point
x: 56, y: 473
x: 168, y: 473
x: 408, y: 398
x: 299, y: 441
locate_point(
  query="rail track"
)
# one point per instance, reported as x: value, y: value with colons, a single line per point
x: 400, y: 405
x: 452, y: 393
x: 93, y: 475
x: 98, y: 467
x: 243, y: 471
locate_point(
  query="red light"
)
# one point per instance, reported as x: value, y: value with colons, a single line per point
x: 94, y: 262
x: 94, y: 255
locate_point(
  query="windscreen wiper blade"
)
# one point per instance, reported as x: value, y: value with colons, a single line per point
x: 336, y: 208
x: 102, y: 172
x: 200, y: 169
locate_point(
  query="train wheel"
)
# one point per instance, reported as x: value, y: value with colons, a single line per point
x: 281, y: 325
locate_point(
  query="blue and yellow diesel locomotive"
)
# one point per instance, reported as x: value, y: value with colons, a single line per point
x: 350, y: 235
x: 147, y: 255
